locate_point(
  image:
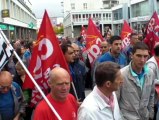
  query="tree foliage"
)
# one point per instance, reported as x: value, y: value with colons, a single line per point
x: 58, y: 29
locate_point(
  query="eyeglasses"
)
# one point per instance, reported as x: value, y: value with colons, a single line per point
x: 5, y: 87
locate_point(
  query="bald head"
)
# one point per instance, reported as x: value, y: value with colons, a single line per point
x: 58, y: 72
x: 59, y: 83
x: 5, y: 81
x: 104, y: 47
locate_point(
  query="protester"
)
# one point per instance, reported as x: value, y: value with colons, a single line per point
x: 80, y: 41
x: 20, y: 78
x: 68, y: 52
x: 79, y: 73
x: 12, y: 103
x: 104, y: 47
x: 153, y: 64
x: 134, y: 38
x: 114, y: 54
x: 101, y: 103
x: 63, y: 102
x: 136, y: 95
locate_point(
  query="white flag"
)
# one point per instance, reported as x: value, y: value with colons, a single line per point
x: 5, y: 50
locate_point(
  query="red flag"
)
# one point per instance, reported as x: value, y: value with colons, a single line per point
x: 125, y: 34
x: 151, y: 31
x: 93, y: 38
x: 83, y: 32
x: 150, y: 40
x: 47, y: 54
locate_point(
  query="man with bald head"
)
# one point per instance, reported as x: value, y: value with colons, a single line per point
x: 12, y: 103
x: 63, y: 102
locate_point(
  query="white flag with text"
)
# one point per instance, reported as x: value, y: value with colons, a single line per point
x: 5, y: 50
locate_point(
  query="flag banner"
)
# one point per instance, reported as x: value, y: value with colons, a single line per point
x: 125, y: 34
x: 93, y: 40
x: 5, y: 50
x: 152, y: 32
x: 151, y: 40
x: 46, y: 55
x: 83, y: 32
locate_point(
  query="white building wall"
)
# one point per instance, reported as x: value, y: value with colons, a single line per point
x: 124, y: 1
x: 0, y: 10
x: 91, y: 5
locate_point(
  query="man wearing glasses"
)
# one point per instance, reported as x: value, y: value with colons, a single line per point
x: 12, y: 103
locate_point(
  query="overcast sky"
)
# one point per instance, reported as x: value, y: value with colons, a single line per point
x: 53, y: 7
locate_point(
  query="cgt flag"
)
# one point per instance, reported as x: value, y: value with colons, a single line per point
x: 152, y: 31
x: 125, y: 34
x: 46, y: 55
x: 5, y: 50
x: 93, y: 40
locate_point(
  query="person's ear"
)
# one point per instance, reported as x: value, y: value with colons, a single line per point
x: 107, y: 84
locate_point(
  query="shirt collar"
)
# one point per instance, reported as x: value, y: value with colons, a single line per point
x: 146, y: 70
x: 108, y: 101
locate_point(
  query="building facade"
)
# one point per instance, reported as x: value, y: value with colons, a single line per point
x: 119, y: 14
x: 136, y: 12
x: 141, y: 12
x: 75, y: 19
x: 108, y: 4
x: 77, y: 14
x: 17, y: 20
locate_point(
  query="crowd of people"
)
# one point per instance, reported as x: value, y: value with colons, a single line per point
x: 123, y: 82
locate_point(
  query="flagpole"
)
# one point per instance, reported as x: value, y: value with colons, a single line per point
x: 31, y: 77
x: 73, y: 86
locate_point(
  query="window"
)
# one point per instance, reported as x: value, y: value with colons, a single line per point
x: 84, y: 6
x: 140, y: 9
x: 117, y: 14
x: 73, y: 6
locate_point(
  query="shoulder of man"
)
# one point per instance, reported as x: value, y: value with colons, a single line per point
x: 105, y: 57
x: 16, y: 89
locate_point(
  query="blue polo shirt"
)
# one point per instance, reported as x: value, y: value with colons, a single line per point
x: 121, y: 59
x: 7, y: 106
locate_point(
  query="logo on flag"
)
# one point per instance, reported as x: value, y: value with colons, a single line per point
x: 47, y: 54
x: 152, y: 31
x: 125, y: 34
x: 93, y: 40
x: 5, y: 50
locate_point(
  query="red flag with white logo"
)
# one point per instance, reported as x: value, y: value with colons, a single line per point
x: 93, y: 40
x: 46, y: 55
x: 152, y: 31
x: 125, y: 34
